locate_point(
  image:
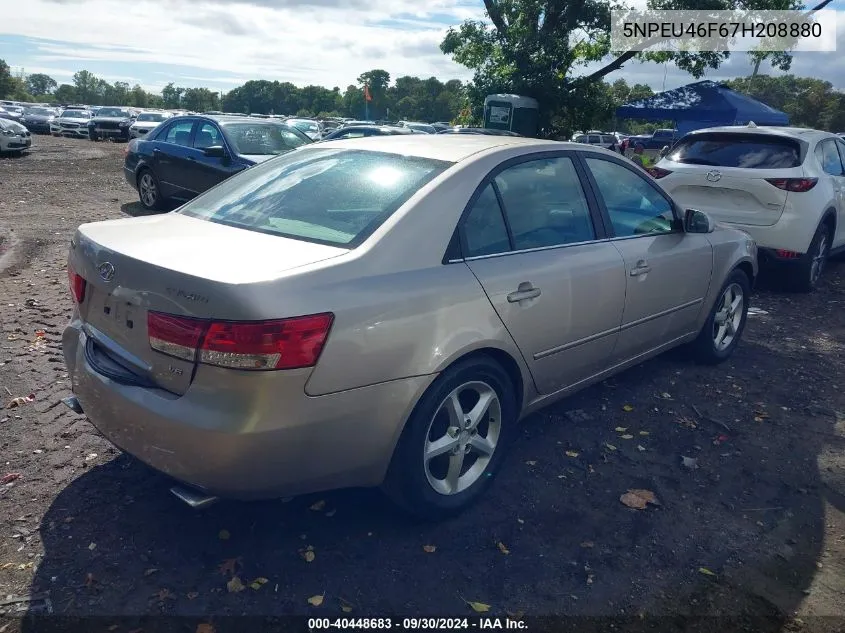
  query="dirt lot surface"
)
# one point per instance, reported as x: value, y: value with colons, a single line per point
x: 755, y: 528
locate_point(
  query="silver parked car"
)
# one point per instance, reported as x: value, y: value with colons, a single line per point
x: 146, y: 122
x: 382, y: 311
x: 72, y: 122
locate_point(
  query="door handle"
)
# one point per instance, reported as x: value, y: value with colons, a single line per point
x: 640, y: 269
x: 524, y: 292
x: 156, y: 151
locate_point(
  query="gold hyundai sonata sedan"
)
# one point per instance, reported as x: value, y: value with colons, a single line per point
x: 382, y: 311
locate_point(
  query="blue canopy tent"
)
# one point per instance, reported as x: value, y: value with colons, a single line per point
x: 702, y: 104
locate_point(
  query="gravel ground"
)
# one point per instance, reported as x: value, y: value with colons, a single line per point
x: 755, y: 529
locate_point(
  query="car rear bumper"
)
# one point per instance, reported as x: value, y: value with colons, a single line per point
x: 260, y: 436
x: 129, y: 174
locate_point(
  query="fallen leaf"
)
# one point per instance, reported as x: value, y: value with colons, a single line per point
x: 20, y: 401
x: 640, y: 447
x: 590, y: 579
x: 318, y: 506
x: 571, y: 453
x: 627, y: 437
x: 150, y: 571
x: 345, y: 605
x: 588, y: 544
x: 164, y: 594
x: 689, y: 462
x: 705, y: 571
x: 89, y: 579
x: 644, y: 433
x: 9, y: 478
x: 610, y: 446
x: 193, y: 595
x: 316, y: 601
x: 666, y: 396
x: 331, y: 512
x: 23, y: 566
x: 479, y: 607
x: 235, y: 585
x: 429, y: 549
x: 7, y: 565
x: 621, y: 429
x: 229, y: 566
x: 92, y: 546
x: 308, y: 555
x: 204, y: 627
x: 638, y: 499
x: 531, y: 463
x: 503, y: 548
x: 520, y: 521
x: 258, y: 583
x: 515, y: 615
x: 224, y: 535
x: 627, y: 408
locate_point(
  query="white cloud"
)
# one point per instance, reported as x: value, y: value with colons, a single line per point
x: 313, y: 41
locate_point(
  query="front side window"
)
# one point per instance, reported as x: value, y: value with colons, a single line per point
x: 264, y: 139
x: 595, y: 139
x: 484, y: 228
x: 179, y: 133
x: 329, y: 196
x: 828, y: 157
x: 635, y: 207
x: 208, y: 136
x: 545, y: 203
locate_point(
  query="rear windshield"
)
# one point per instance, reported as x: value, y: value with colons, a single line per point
x: 263, y: 139
x: 328, y: 196
x: 752, y: 151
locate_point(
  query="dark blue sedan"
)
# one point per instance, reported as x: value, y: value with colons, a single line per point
x: 190, y: 154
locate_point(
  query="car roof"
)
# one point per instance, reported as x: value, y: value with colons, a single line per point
x: 447, y: 147
x: 806, y: 134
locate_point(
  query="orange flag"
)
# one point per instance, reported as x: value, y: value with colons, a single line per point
x: 367, y: 95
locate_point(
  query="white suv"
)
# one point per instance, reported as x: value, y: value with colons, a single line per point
x: 783, y: 186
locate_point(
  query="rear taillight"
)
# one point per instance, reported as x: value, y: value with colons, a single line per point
x: 798, y: 185
x: 277, y: 344
x: 77, y: 284
x: 658, y: 172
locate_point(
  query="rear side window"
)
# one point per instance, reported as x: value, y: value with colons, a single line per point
x: 828, y: 157
x: 750, y: 151
x: 484, y: 227
x: 595, y: 139
x: 608, y: 139
x: 179, y: 133
x: 328, y: 196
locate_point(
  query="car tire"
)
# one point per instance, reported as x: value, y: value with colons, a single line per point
x: 426, y: 488
x: 806, y: 276
x: 724, y: 325
x: 149, y: 191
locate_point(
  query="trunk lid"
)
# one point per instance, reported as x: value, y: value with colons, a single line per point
x: 729, y: 194
x: 173, y: 264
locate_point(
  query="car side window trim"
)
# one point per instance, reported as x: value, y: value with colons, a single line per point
x: 840, y: 146
x: 163, y: 136
x: 220, y: 134
x: 611, y: 233
x: 599, y: 224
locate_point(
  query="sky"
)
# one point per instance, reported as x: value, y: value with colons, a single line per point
x: 221, y: 44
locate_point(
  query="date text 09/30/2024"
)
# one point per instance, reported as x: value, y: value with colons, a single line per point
x: 415, y: 624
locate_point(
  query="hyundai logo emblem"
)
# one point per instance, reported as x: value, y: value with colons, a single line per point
x: 106, y: 271
x: 714, y: 176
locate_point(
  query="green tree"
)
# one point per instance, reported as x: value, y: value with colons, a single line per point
x: 7, y: 86
x: 65, y: 94
x: 377, y: 82
x: 87, y: 87
x: 39, y: 84
x: 536, y: 47
x: 172, y: 96
x: 200, y: 100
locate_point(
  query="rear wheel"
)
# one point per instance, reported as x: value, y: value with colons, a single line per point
x: 455, y: 440
x: 722, y: 330
x: 149, y: 192
x: 808, y: 273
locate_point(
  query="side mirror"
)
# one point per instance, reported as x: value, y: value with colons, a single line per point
x: 215, y: 151
x: 696, y: 221
x: 664, y: 151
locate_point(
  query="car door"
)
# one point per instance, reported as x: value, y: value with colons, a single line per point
x: 530, y: 237
x: 170, y: 152
x: 202, y: 171
x: 833, y: 164
x: 668, y: 271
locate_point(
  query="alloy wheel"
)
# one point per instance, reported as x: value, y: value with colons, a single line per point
x: 462, y: 437
x: 148, y: 190
x: 819, y: 259
x: 728, y: 317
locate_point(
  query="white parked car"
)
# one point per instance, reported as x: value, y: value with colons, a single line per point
x: 72, y: 122
x: 783, y: 186
x: 14, y: 137
x: 146, y: 122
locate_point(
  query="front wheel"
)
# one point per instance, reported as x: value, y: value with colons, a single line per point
x: 722, y: 330
x: 454, y: 442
